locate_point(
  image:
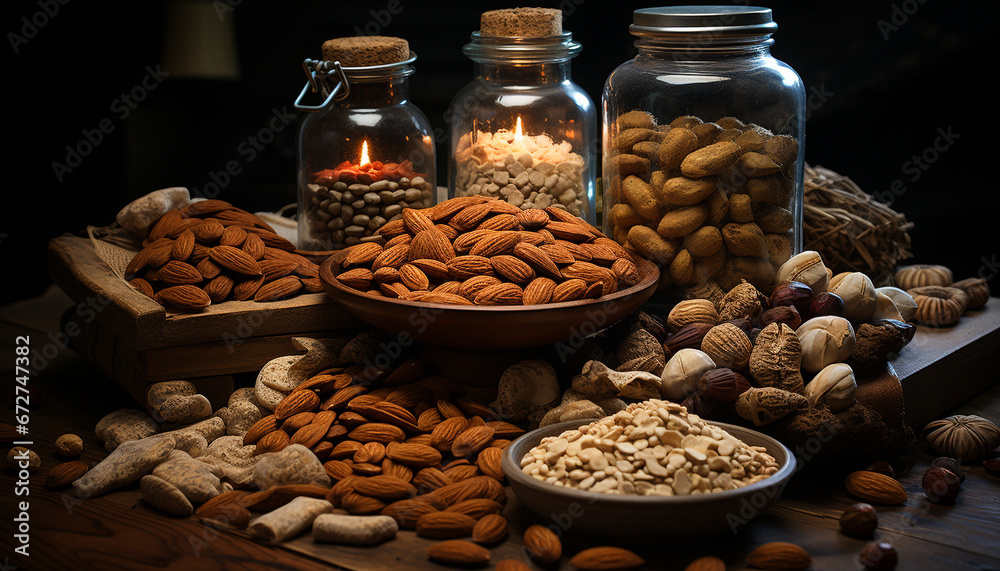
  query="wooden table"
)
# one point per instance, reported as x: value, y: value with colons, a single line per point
x: 119, y: 531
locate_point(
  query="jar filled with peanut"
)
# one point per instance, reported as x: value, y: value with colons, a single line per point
x: 703, y: 148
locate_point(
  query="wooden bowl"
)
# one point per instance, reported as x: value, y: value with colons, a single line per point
x: 481, y: 327
x: 634, y: 518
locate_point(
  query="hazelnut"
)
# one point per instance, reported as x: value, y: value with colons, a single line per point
x: 786, y: 314
x: 795, y: 294
x: 880, y: 556
x: 687, y: 337
x: 682, y: 371
x: 882, y: 467
x: 859, y: 520
x: 825, y: 303
x: 940, y: 485
x: 69, y: 445
x: 723, y: 385
x: 21, y: 458
x: 951, y: 465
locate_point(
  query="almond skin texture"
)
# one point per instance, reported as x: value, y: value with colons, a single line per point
x: 445, y: 525
x: 543, y: 544
x: 64, y: 474
x: 458, y: 552
x: 490, y: 529
x: 779, y: 555
x: 606, y: 558
x: 875, y: 488
x: 706, y: 563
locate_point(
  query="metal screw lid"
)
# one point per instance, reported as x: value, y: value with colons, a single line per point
x: 723, y: 21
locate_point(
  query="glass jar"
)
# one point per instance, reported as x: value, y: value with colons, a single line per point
x: 703, y: 148
x: 366, y: 152
x: 522, y: 130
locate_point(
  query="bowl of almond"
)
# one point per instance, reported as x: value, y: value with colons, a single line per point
x: 477, y: 273
x: 652, y: 470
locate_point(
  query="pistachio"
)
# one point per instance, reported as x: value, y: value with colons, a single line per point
x: 834, y: 386
x: 858, y: 293
x: 681, y: 373
x: 903, y: 302
x: 825, y: 340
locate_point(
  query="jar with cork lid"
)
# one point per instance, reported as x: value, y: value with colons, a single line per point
x: 703, y: 149
x: 365, y: 151
x: 522, y: 130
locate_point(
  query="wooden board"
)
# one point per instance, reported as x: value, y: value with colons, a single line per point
x: 135, y: 341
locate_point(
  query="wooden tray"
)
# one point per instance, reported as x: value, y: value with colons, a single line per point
x: 136, y: 342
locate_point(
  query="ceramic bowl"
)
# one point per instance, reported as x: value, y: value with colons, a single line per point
x: 491, y: 328
x: 642, y: 518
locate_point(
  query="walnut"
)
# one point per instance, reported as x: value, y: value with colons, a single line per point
x: 743, y: 301
x: 776, y: 360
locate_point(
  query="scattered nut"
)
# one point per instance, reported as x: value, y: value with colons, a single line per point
x: 859, y: 520
x: 69, y: 445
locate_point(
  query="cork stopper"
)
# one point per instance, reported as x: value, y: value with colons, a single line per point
x: 359, y: 51
x: 522, y: 22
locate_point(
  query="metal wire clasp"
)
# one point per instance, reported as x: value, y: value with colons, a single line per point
x: 317, y: 74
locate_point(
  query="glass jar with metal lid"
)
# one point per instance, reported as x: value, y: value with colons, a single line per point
x: 522, y: 130
x: 365, y: 150
x: 703, y: 148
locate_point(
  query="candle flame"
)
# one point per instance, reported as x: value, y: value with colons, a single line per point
x: 518, y: 135
x: 364, y: 153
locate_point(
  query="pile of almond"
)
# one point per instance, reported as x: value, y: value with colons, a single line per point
x: 475, y: 250
x: 401, y: 443
x: 210, y: 251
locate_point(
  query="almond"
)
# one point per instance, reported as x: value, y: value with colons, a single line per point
x: 233, y: 236
x: 358, y: 504
x: 605, y: 558
x: 533, y: 219
x: 394, y: 289
x: 143, y: 286
x: 500, y: 294
x: 208, y: 231
x: 445, y: 210
x: 416, y: 455
x: 296, y: 402
x: 64, y: 474
x: 445, y: 433
x: 475, y: 487
x: 512, y: 565
x: 431, y: 244
x: 338, y: 401
x: 232, y: 497
x: 779, y: 555
x: 458, y: 552
x: 539, y: 291
x: 377, y: 432
x: 435, y: 270
x: 183, y: 246
x: 542, y: 544
x: 512, y: 268
x: 361, y: 254
x: 444, y: 525
x: 208, y: 269
x: 165, y: 223
x: 277, y: 496
x: 219, y: 288
x: 505, y: 429
x: 260, y: 428
x: 490, y: 529
x: 626, y: 271
x: 469, y: 217
x: 228, y: 515
x: 385, y: 488
x: 393, y: 468
x: 392, y: 257
x: 309, y: 435
x: 569, y: 231
x: 235, y: 259
x: 586, y: 271
x: 246, y: 288
x: 488, y: 462
x: 476, y: 508
x: 535, y: 257
x: 464, y: 242
x: 183, y: 297
x: 407, y: 512
x: 460, y: 472
x: 495, y: 243
x: 414, y: 220
x: 558, y: 253
x: 338, y: 470
x: 272, y: 442
x: 413, y: 277
x: 501, y: 221
x: 471, y: 441
x: 430, y: 479
x: 569, y: 290
x: 278, y: 289
x: 464, y: 267
x: 357, y: 278
x: 875, y: 488
x: 254, y: 246
x: 706, y: 563
x: 449, y: 409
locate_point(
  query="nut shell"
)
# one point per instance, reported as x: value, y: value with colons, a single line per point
x: 963, y: 437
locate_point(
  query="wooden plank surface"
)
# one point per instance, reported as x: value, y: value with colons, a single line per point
x: 143, y: 323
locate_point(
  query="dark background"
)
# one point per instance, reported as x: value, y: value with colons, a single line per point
x: 888, y: 93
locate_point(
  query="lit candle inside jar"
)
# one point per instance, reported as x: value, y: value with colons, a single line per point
x: 350, y: 202
x: 528, y: 171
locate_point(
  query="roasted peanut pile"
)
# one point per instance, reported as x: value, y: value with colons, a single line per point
x: 652, y: 448
x: 483, y: 251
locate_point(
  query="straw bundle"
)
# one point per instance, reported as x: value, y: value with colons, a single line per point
x: 852, y: 231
